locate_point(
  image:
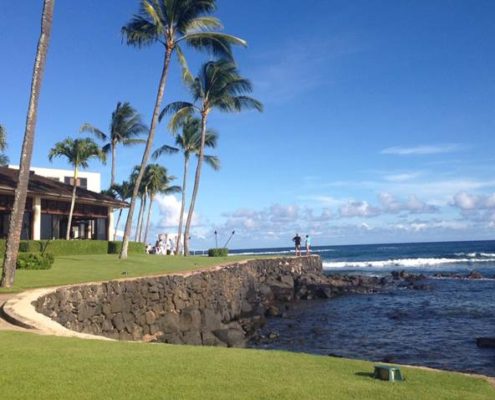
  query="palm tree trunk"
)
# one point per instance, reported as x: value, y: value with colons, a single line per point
x: 152, y: 197
x: 72, y: 204
x: 147, y: 151
x: 183, y: 204
x: 141, y: 221
x: 136, y: 236
x: 112, y: 177
x: 204, y: 116
x: 17, y: 214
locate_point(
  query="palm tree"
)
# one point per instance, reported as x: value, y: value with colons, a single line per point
x: 17, y: 214
x: 142, y: 195
x: 121, y: 192
x: 78, y: 152
x: 218, y: 86
x: 172, y: 23
x: 4, y: 159
x: 157, y: 181
x: 190, y: 142
x: 125, y: 127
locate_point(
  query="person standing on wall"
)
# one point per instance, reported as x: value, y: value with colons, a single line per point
x: 308, y: 245
x: 297, y: 242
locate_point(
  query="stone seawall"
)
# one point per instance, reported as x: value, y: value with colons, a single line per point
x: 223, y: 306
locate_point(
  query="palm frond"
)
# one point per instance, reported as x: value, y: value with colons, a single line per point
x: 175, y: 107
x: 186, y: 73
x: 140, y: 32
x: 165, y: 149
x: 95, y: 131
x: 217, y: 43
x: 213, y: 162
x: 204, y: 23
x: 131, y: 141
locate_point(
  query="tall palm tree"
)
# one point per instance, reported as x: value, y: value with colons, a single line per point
x: 218, y: 86
x: 4, y: 159
x: 78, y: 152
x: 142, y: 195
x: 172, y: 23
x: 121, y: 192
x: 189, y: 142
x: 125, y: 126
x: 157, y: 181
x: 17, y: 214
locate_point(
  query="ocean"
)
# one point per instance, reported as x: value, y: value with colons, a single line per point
x: 436, y: 328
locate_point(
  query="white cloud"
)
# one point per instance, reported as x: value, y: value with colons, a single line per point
x: 169, y: 209
x: 473, y: 202
x: 413, y: 205
x: 358, y: 209
x: 422, y: 150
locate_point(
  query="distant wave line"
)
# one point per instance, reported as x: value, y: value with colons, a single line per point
x: 404, y: 262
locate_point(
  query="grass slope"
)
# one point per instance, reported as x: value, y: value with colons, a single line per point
x: 91, y: 268
x: 42, y: 367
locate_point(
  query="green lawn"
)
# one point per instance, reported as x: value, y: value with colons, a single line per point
x: 76, y: 269
x: 43, y: 367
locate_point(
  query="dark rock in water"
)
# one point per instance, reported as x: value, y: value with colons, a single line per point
x: 485, y: 342
x: 388, y: 359
x: 474, y: 275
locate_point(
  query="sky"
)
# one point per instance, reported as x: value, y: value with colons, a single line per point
x: 378, y: 125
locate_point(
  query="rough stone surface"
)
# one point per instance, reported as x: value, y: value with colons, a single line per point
x: 216, y: 307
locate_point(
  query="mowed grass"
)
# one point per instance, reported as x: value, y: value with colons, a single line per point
x: 92, y: 268
x: 44, y: 367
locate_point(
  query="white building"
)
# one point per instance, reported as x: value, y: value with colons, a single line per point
x: 86, y: 180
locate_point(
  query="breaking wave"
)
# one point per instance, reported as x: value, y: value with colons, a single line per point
x: 408, y: 262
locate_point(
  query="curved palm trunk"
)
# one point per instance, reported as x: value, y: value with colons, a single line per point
x: 204, y: 116
x: 147, y: 151
x: 183, y: 204
x: 16, y: 217
x: 112, y: 177
x: 72, y: 204
x: 152, y: 197
x: 117, y: 225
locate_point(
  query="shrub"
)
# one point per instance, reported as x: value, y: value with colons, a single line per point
x: 134, y: 248
x: 218, y: 252
x: 35, y: 261
x: 69, y: 247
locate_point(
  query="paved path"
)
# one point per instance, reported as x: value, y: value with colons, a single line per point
x: 4, y: 325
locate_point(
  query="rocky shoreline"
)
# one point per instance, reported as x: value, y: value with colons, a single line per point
x: 222, y: 307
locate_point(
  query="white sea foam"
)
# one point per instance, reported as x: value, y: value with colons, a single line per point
x: 402, y: 262
x: 261, y: 252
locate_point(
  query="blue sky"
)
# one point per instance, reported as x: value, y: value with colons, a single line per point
x: 378, y: 122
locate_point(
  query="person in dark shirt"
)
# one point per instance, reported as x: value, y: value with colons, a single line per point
x: 297, y: 241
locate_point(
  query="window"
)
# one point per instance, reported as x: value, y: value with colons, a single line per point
x: 81, y: 182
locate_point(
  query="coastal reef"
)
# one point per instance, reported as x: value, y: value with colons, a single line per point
x: 224, y: 306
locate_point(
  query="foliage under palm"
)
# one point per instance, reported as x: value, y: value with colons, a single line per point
x: 125, y: 126
x: 173, y: 23
x: 189, y: 142
x: 218, y: 86
x: 77, y: 152
x: 4, y: 159
x: 17, y: 214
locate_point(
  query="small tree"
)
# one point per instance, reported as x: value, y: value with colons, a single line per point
x: 121, y: 192
x: 125, y: 127
x: 157, y: 181
x: 77, y: 152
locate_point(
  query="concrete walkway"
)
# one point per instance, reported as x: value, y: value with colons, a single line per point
x: 4, y: 325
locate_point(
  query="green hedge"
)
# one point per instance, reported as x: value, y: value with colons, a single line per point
x: 74, y: 247
x: 134, y: 248
x: 218, y: 252
x: 34, y: 261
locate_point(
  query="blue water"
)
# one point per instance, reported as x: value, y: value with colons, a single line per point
x: 435, y: 328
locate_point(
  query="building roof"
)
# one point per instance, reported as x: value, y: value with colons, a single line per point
x: 53, y: 189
